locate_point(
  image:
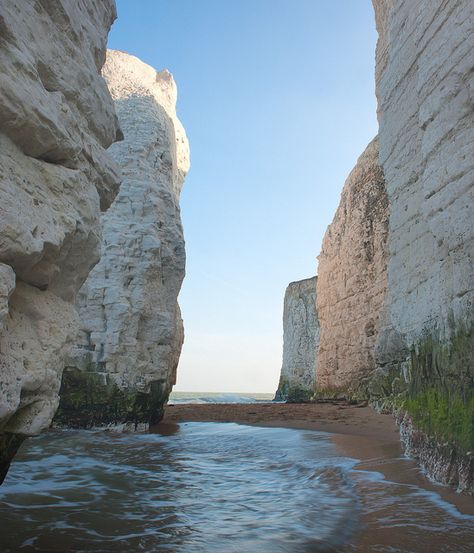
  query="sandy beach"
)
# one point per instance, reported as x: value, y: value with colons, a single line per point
x: 358, y: 431
x: 337, y: 417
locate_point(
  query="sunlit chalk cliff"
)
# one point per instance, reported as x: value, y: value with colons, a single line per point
x: 425, y: 91
x: 300, y: 341
x: 124, y: 365
x: 352, y: 279
x: 56, y: 120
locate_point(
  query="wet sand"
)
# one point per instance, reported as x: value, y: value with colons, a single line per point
x: 357, y: 431
x: 337, y: 417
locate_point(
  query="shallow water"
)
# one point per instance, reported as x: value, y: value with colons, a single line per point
x: 214, y: 487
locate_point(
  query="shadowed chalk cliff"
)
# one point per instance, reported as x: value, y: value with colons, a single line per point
x: 56, y: 119
x: 124, y: 365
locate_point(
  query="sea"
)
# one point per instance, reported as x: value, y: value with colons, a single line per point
x: 214, y: 488
x: 219, y: 397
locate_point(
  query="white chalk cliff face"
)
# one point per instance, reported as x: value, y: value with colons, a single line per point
x: 425, y: 104
x: 131, y: 327
x: 56, y: 120
x: 425, y: 84
x: 352, y: 278
x: 300, y: 342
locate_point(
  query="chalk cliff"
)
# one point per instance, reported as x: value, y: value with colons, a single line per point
x: 424, y: 85
x: 56, y: 120
x: 395, y: 286
x: 124, y: 365
x: 352, y: 279
x: 300, y: 342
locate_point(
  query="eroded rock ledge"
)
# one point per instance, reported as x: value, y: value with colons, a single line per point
x: 124, y: 365
x: 56, y: 120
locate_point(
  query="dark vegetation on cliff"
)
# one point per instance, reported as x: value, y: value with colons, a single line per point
x: 88, y: 401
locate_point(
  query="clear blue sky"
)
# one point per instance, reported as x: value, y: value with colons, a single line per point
x: 277, y: 98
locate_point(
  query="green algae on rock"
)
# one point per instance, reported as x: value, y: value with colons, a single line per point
x: 293, y: 394
x: 90, y: 399
x: 438, y: 423
x: 432, y: 395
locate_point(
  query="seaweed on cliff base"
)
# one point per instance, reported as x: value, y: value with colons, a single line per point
x: 440, y: 396
x: 89, y: 400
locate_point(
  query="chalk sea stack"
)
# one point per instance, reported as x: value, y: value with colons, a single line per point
x: 124, y: 364
x: 300, y: 342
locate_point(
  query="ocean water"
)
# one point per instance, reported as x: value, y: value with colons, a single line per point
x: 214, y: 487
x: 212, y: 397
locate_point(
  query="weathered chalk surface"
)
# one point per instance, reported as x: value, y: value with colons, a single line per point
x: 424, y: 85
x: 56, y: 120
x: 352, y: 279
x: 300, y: 342
x: 124, y: 365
